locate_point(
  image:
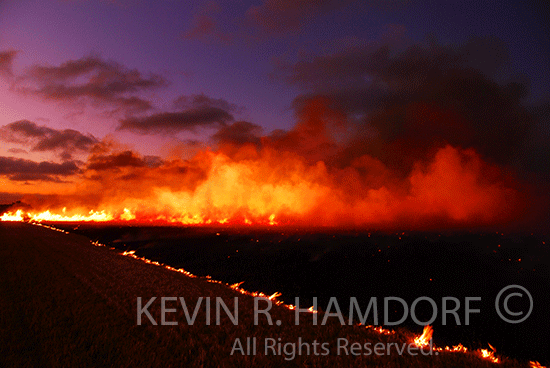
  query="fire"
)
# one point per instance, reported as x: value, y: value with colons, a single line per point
x: 47, y: 216
x: 100, y: 216
x: 271, y: 186
x: 237, y: 286
x: 9, y: 216
x: 455, y: 349
x: 381, y: 330
x: 536, y: 365
x: 489, y: 354
x: 424, y: 339
x: 127, y: 215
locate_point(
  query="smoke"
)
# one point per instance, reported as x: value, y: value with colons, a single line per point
x: 418, y: 137
x: 292, y: 178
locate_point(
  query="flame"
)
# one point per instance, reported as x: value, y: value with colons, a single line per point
x: 237, y: 286
x: 424, y: 339
x: 100, y: 216
x: 536, y: 365
x: 489, y: 354
x: 271, y: 187
x: 9, y: 216
x: 127, y: 215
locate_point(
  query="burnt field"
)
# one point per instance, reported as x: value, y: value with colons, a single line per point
x: 343, y: 264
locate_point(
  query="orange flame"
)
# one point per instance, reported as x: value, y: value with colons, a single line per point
x: 489, y: 354
x: 9, y: 216
x: 276, y: 187
x: 424, y: 339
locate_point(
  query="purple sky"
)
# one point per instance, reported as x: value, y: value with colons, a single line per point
x: 163, y: 77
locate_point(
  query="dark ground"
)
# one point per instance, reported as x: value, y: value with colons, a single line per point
x: 323, y: 264
x: 64, y: 302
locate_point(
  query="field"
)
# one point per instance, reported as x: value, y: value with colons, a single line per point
x: 65, y: 302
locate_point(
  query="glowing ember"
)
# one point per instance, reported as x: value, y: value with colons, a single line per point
x: 454, y: 349
x: 380, y: 330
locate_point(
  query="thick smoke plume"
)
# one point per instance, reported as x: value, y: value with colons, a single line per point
x: 417, y: 137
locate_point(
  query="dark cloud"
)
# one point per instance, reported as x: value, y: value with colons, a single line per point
x: 419, y: 97
x: 6, y: 63
x: 272, y: 18
x: 17, y: 150
x: 240, y: 132
x: 42, y: 138
x: 202, y: 101
x: 103, y: 83
x: 116, y: 2
x: 195, y: 111
x: 204, y: 25
x: 115, y: 161
x: 282, y: 16
x: 152, y: 161
x: 23, y: 129
x: 172, y: 122
x: 19, y: 169
x: 535, y: 155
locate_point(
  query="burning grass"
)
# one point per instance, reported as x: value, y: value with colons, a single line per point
x: 66, y: 303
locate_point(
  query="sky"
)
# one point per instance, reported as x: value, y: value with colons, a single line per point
x: 97, y: 94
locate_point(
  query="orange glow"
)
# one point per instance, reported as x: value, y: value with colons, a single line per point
x: 269, y: 187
